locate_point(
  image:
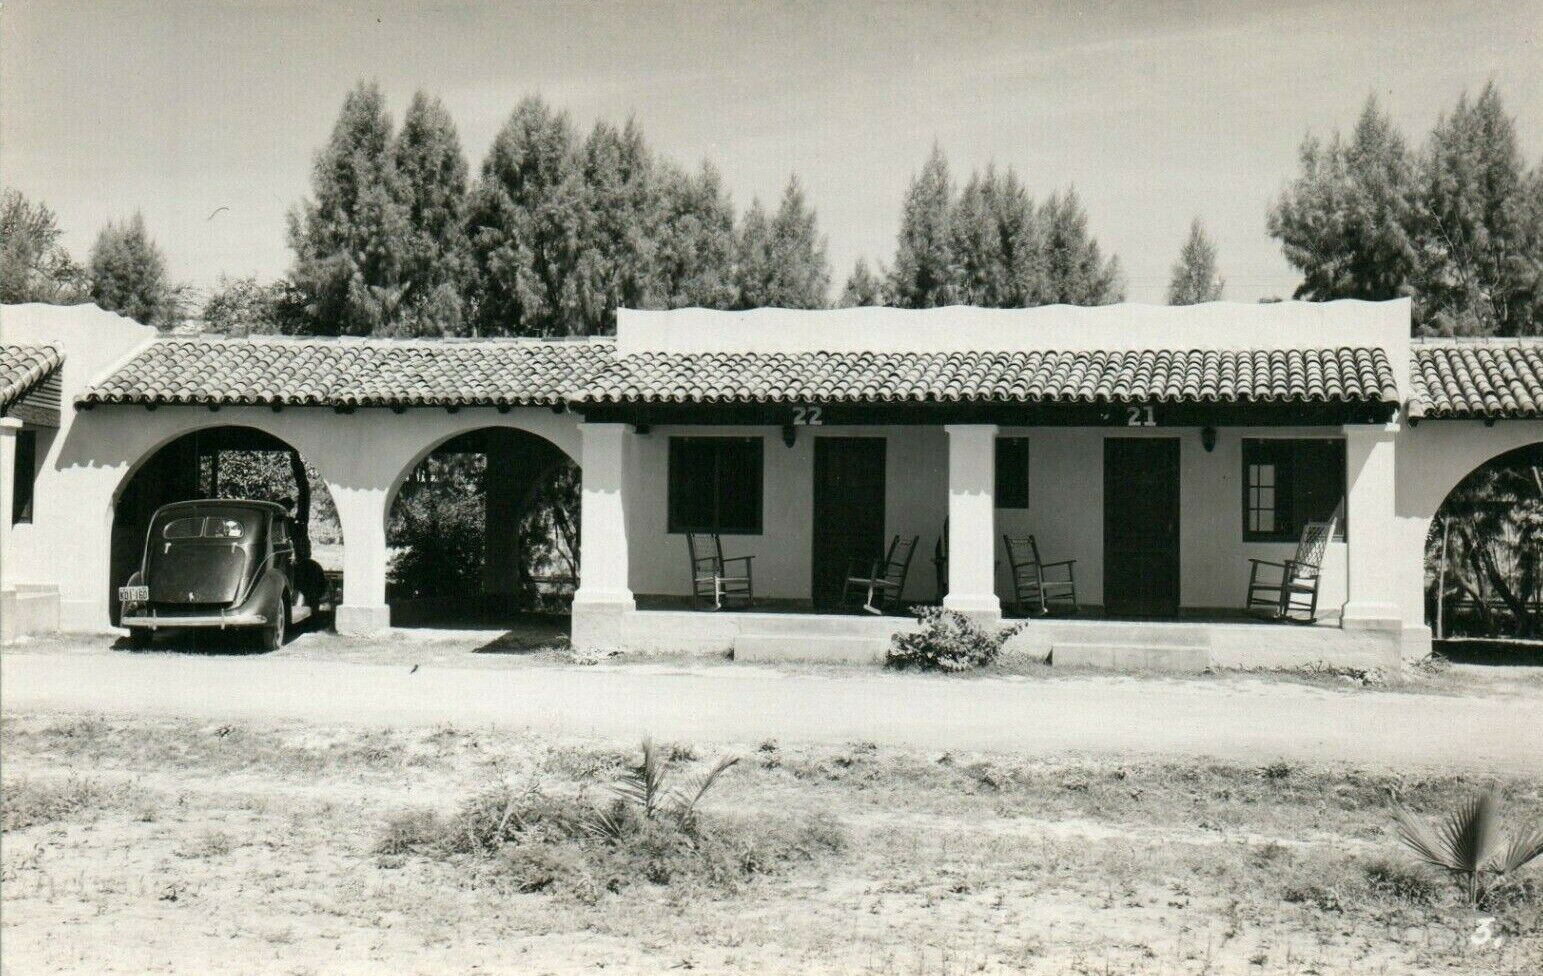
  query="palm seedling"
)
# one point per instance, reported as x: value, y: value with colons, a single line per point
x: 1469, y: 844
x: 646, y: 789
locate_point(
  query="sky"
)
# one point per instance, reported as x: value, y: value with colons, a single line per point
x: 206, y: 116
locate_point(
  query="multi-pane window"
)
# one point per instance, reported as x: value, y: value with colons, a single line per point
x: 715, y: 485
x: 1012, y: 478
x: 1289, y: 483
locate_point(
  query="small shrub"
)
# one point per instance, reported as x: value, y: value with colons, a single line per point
x: 947, y: 641
x: 1276, y: 771
x: 1323, y: 899
x: 1401, y: 884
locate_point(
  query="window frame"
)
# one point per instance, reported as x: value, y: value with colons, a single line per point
x: 1289, y: 488
x: 1018, y: 497
x: 24, y: 477
x: 675, y: 521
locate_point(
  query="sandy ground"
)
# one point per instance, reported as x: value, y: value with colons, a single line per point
x: 226, y: 849
x: 1240, y: 718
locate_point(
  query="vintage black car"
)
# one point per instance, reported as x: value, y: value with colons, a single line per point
x: 222, y: 564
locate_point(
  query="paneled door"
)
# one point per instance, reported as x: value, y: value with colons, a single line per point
x: 848, y: 511
x: 1141, y: 526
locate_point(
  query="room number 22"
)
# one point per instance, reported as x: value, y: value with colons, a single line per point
x: 808, y: 416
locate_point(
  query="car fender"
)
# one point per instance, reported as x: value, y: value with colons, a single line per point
x: 266, y: 595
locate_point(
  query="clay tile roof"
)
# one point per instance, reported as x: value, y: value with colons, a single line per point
x: 1317, y: 375
x: 351, y: 372
x: 1477, y: 378
x: 22, y: 368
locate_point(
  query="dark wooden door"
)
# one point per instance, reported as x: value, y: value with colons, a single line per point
x: 848, y: 510
x: 1141, y: 526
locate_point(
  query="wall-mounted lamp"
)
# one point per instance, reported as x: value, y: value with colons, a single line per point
x: 789, y: 434
x: 1208, y: 439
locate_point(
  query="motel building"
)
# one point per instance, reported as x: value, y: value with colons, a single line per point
x: 1162, y: 449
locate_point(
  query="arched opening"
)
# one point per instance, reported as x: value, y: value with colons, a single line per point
x: 226, y: 462
x: 1484, y: 555
x: 483, y: 532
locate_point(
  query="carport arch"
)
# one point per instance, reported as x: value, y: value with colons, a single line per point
x: 126, y: 530
x: 1520, y: 452
x: 518, y: 460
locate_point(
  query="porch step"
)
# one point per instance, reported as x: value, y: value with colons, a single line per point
x: 831, y: 649
x: 1131, y: 657
x: 1049, y: 632
x: 820, y: 625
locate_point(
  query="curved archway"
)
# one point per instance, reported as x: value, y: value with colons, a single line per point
x: 221, y: 461
x: 1484, y: 550
x: 482, y: 530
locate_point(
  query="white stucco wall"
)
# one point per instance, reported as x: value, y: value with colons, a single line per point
x: 362, y: 457
x: 916, y: 501
x: 1065, y: 510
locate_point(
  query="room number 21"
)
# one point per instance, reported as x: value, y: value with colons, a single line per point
x: 1143, y: 416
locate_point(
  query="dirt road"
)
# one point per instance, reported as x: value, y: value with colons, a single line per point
x: 1233, y: 719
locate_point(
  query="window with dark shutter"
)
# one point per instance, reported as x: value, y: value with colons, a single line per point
x: 1289, y: 483
x: 1012, y: 478
x: 715, y: 485
x: 24, y: 475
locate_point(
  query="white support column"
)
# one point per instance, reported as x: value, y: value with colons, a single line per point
x: 972, y: 519
x: 1372, y: 529
x: 8, y: 428
x: 603, y: 580
x: 362, y: 515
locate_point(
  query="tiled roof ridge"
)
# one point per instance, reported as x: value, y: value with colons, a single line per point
x: 23, y: 365
x: 384, y: 341
x: 1438, y: 342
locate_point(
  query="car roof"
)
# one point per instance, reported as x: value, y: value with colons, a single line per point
x: 272, y: 508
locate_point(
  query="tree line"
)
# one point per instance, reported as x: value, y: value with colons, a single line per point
x: 559, y: 228
x: 1455, y: 225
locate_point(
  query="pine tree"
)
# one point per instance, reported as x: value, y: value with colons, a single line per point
x: 128, y: 274
x: 1345, y: 222
x: 1075, y: 269
x: 802, y: 278
x: 436, y: 260
x: 351, y: 241
x: 926, y: 273
x: 753, y: 271
x: 997, y: 242
x: 1194, y: 276
x: 782, y: 260
x: 618, y: 229
x: 1473, y: 218
x: 524, y: 226
x: 864, y: 287
x: 695, y: 240
x: 34, y: 266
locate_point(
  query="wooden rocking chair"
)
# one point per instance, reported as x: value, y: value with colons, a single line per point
x: 1034, y: 590
x: 884, y: 586
x: 1291, y: 592
x: 711, y: 584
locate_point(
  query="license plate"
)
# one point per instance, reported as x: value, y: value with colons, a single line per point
x: 133, y: 594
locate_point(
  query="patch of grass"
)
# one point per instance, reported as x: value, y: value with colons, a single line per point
x: 31, y: 802
x: 528, y: 841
